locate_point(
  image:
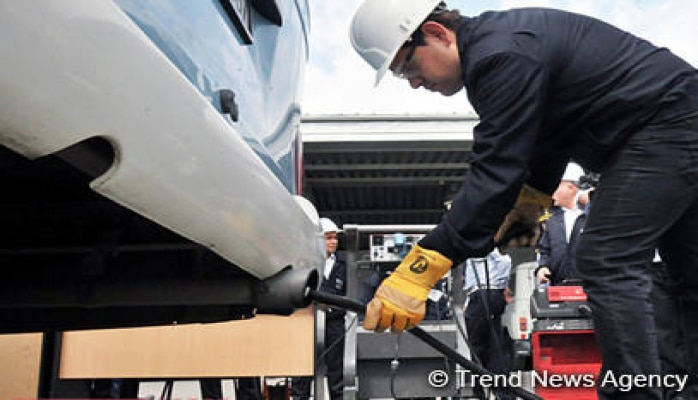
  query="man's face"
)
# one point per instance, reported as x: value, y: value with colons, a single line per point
x: 434, y: 66
x: 565, y: 195
x: 331, y: 242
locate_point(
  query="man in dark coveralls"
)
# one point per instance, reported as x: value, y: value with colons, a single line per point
x: 552, y: 87
x: 334, y: 281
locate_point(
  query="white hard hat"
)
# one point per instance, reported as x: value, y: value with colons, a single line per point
x: 328, y: 226
x: 381, y: 27
x: 573, y: 173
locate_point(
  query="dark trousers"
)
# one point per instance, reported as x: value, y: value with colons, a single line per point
x: 245, y: 389
x: 300, y: 387
x: 114, y: 389
x: 671, y: 341
x: 211, y: 389
x: 334, y: 359
x: 483, y: 321
x: 248, y: 389
x: 647, y: 198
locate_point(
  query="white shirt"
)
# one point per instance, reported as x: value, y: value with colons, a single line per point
x: 498, y: 266
x: 571, y: 216
x: 657, y: 258
x: 329, y: 263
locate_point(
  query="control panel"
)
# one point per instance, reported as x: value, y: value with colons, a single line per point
x: 386, y: 247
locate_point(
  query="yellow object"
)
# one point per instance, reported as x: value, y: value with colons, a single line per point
x: 529, y: 207
x: 399, y: 302
x: 529, y: 195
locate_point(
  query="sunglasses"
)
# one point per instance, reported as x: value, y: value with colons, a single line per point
x: 404, y: 70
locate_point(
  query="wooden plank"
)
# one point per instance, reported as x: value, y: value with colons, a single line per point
x: 261, y: 346
x: 21, y: 362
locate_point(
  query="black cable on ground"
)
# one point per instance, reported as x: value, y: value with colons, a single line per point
x: 358, y: 307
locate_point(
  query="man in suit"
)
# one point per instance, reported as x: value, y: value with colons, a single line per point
x: 556, y: 245
x: 334, y: 281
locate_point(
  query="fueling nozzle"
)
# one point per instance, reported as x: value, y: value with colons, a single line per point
x: 286, y: 291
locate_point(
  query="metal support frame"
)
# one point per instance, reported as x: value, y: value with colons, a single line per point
x: 387, y: 365
x: 372, y: 370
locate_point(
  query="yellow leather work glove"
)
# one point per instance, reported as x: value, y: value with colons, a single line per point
x: 529, y: 207
x: 400, y: 301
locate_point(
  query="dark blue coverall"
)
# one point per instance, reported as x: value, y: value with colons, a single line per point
x: 550, y: 86
x: 334, y: 337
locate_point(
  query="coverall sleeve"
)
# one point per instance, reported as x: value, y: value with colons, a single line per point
x: 508, y: 92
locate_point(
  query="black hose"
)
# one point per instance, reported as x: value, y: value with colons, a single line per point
x: 358, y: 307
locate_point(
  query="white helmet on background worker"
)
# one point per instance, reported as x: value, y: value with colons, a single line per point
x: 381, y: 27
x: 328, y: 226
x: 573, y: 173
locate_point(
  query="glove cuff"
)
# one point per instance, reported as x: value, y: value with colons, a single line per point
x: 423, y: 267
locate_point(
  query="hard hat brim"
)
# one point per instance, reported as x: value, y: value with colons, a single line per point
x: 380, y: 73
x: 377, y: 42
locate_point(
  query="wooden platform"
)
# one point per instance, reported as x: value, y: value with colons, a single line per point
x: 21, y: 361
x: 261, y: 346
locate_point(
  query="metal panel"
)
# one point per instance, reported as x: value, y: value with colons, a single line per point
x: 178, y: 162
x: 385, y: 169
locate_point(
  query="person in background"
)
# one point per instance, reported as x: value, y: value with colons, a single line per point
x: 247, y: 388
x: 557, y: 243
x: 114, y: 388
x: 334, y: 281
x: 486, y: 281
x: 550, y: 87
